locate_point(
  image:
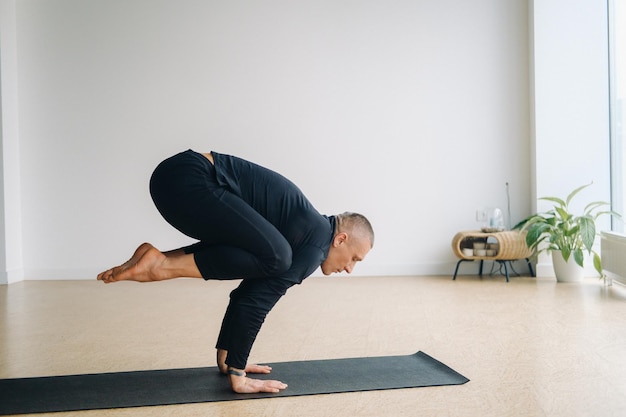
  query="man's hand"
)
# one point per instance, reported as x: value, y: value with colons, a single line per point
x: 251, y: 369
x: 241, y: 384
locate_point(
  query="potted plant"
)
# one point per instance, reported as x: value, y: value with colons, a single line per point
x: 568, y: 236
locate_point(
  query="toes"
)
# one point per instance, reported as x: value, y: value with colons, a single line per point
x: 106, y: 276
x: 102, y: 275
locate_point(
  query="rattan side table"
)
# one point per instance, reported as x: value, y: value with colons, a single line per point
x: 511, y: 247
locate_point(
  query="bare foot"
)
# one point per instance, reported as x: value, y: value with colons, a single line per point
x: 143, y: 266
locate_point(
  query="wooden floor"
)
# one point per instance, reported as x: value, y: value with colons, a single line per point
x: 531, y: 347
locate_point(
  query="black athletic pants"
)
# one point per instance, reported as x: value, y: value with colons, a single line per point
x: 235, y: 241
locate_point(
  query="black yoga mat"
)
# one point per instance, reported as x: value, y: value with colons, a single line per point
x: 196, y: 385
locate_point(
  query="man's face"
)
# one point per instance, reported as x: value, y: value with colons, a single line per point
x: 344, y: 253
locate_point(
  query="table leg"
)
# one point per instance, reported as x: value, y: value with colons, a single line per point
x: 530, y: 267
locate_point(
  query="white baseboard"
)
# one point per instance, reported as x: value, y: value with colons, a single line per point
x: 42, y: 274
x: 424, y: 269
x: 11, y: 276
x: 547, y: 270
x: 416, y: 269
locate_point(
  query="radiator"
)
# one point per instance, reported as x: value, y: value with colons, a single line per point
x: 613, y: 252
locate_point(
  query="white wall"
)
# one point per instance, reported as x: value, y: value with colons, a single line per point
x: 415, y: 113
x: 11, y: 266
x: 570, y: 107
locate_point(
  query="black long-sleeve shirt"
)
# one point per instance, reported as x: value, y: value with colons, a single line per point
x: 309, y: 234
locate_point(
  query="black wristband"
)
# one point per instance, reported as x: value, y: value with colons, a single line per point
x: 236, y: 373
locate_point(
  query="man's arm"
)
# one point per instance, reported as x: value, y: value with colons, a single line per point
x: 249, y: 305
x: 246, y: 312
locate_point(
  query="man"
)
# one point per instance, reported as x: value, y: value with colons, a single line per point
x: 251, y: 224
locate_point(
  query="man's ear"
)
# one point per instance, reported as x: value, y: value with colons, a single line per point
x: 340, y: 239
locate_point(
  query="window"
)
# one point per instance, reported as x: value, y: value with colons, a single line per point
x: 617, y: 68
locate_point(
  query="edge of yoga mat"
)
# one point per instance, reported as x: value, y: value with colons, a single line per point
x: 197, y: 385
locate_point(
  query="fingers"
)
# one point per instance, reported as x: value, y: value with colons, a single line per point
x: 245, y: 385
x: 258, y: 369
x: 273, y: 386
x: 256, y: 385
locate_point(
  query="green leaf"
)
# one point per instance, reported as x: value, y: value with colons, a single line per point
x: 611, y: 212
x: 563, y: 213
x: 587, y: 232
x: 538, y: 242
x: 579, y: 257
x: 521, y: 224
x: 555, y: 200
x: 576, y: 191
x: 571, y: 232
x: 566, y: 252
x: 529, y: 221
x: 597, y: 263
x: 594, y: 205
x: 534, y: 233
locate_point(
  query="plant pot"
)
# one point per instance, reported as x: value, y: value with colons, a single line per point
x: 568, y: 271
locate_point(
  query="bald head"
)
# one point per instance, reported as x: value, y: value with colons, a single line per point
x: 355, y: 225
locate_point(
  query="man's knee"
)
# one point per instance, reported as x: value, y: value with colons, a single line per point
x: 281, y: 261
